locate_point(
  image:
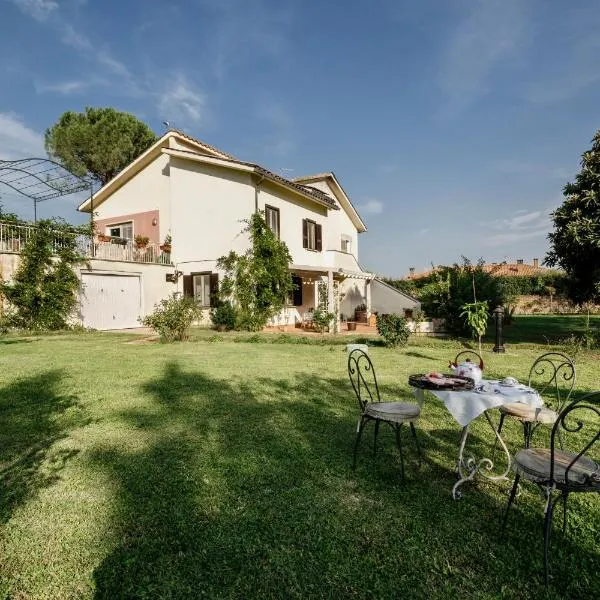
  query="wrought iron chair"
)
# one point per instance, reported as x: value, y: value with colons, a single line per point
x: 364, y: 382
x: 467, y: 355
x: 553, y: 375
x: 564, y: 471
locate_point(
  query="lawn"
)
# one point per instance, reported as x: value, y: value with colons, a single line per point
x: 221, y: 469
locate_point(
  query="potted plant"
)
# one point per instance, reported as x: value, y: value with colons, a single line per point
x: 166, y: 245
x: 141, y: 241
x: 102, y: 237
x: 351, y: 325
x: 360, y: 313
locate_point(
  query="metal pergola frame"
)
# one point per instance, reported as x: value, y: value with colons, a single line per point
x: 41, y: 179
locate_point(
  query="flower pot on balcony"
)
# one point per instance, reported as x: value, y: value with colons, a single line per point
x: 103, y: 238
x: 166, y: 248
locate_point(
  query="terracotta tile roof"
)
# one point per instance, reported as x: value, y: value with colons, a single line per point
x: 304, y: 189
x: 498, y: 270
x: 196, y: 141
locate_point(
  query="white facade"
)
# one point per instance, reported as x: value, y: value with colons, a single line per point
x: 202, y: 195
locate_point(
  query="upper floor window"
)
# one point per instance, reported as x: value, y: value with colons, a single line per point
x: 312, y: 235
x: 272, y: 219
x: 346, y: 244
x: 121, y: 230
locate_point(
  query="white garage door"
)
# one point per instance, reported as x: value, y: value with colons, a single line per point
x: 110, y: 301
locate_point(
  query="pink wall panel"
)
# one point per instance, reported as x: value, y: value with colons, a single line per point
x: 142, y: 224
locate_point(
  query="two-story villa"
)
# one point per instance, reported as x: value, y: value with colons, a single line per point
x: 189, y: 199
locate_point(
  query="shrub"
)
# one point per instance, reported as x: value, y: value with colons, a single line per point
x: 173, y: 317
x: 393, y: 329
x: 322, y: 319
x: 224, y: 316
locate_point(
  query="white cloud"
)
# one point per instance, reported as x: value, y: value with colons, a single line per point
x: 40, y: 10
x: 521, y: 226
x: 371, y: 207
x: 181, y: 100
x: 424, y: 231
x: 522, y: 167
x: 17, y: 140
x: 491, y: 34
x: 66, y: 87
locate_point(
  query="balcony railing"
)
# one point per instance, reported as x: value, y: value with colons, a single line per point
x: 14, y: 237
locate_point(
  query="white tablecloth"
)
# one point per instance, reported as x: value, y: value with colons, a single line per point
x: 467, y: 405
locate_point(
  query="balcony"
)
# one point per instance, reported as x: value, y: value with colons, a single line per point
x: 14, y: 237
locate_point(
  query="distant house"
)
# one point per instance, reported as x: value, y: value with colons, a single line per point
x: 194, y: 196
x: 503, y: 269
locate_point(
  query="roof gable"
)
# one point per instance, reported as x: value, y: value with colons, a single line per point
x: 328, y: 183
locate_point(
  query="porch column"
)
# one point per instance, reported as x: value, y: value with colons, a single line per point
x: 316, y: 291
x: 368, y: 284
x: 330, y: 300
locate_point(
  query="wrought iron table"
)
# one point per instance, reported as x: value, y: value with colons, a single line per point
x: 467, y: 405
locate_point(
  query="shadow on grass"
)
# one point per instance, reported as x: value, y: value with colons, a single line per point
x: 32, y: 419
x: 244, y: 489
x: 420, y: 355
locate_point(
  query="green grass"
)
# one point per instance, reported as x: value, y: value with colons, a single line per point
x: 544, y: 329
x: 220, y: 470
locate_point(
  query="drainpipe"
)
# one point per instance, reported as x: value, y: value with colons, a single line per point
x: 257, y: 184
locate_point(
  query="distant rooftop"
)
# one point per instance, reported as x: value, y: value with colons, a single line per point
x: 503, y: 269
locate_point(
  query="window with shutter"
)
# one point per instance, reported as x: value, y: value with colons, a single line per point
x: 312, y: 235
x: 204, y: 287
x: 272, y: 219
x: 188, y: 286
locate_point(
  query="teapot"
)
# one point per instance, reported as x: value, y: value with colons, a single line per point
x: 468, y: 369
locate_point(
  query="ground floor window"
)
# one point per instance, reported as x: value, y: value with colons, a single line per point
x: 202, y: 286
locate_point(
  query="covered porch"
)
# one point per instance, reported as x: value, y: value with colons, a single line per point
x: 321, y: 287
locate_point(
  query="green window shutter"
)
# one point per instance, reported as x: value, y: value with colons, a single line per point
x: 188, y: 286
x: 214, y: 288
x: 319, y: 238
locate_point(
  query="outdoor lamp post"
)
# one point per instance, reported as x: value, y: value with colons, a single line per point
x: 499, y: 315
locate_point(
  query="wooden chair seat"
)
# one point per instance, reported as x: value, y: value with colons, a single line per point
x: 534, y: 464
x: 531, y: 414
x: 396, y: 412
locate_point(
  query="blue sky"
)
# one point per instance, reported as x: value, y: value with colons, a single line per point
x: 452, y: 124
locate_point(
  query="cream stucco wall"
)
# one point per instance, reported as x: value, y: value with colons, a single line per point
x: 338, y: 223
x: 292, y: 210
x: 148, y: 190
x: 207, y: 205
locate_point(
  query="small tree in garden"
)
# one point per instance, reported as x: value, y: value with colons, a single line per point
x: 257, y: 282
x: 393, y: 329
x: 476, y: 316
x: 42, y: 294
x: 172, y: 317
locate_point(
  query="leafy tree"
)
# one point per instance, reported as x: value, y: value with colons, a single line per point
x: 258, y: 282
x: 476, y: 316
x: 42, y: 294
x: 393, y: 329
x: 575, y: 241
x: 100, y: 142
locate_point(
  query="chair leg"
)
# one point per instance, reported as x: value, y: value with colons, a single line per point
x: 414, y: 434
x: 375, y: 438
x: 511, y: 499
x: 547, y: 530
x: 361, y: 426
x: 399, y: 444
x: 565, y: 496
x: 502, y: 417
x: 527, y: 433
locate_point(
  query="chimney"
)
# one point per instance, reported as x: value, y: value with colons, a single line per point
x: 536, y: 262
x: 411, y: 270
x: 520, y: 261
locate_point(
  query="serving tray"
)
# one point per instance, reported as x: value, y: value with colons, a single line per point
x: 449, y: 383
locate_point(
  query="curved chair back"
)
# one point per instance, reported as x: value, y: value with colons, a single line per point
x: 469, y: 355
x: 553, y: 376
x: 363, y: 378
x: 582, y: 419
